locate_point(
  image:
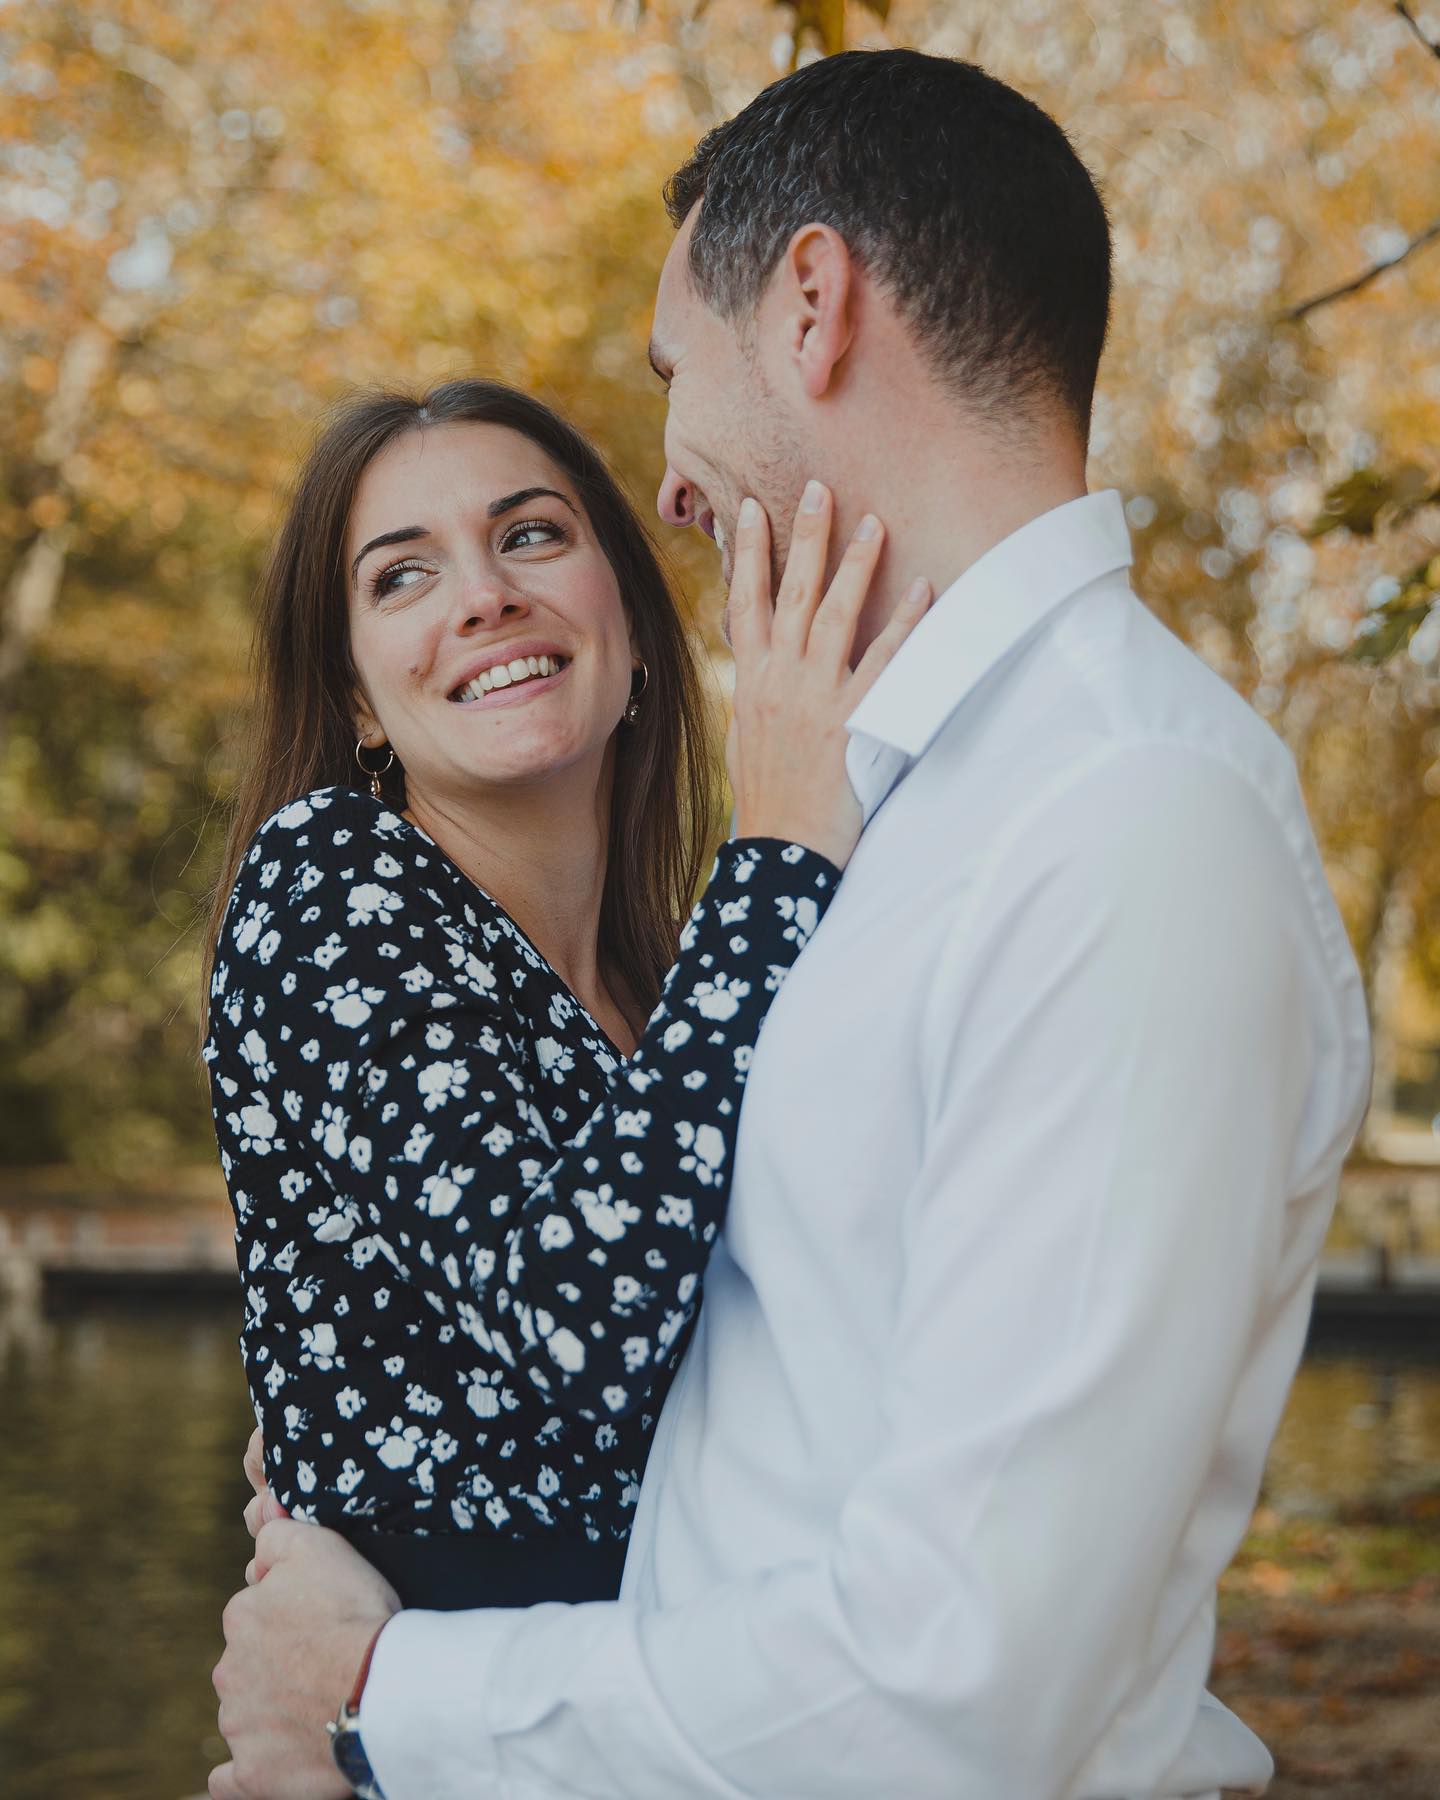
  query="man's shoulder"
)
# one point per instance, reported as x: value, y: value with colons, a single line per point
x: 1111, y: 693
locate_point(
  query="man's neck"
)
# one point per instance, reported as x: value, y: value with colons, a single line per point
x: 947, y: 496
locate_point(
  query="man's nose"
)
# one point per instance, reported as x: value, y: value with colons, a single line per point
x: 676, y: 499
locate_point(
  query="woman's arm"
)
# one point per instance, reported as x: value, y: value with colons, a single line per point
x: 579, y: 1260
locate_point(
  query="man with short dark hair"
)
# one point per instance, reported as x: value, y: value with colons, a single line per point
x: 1043, y: 1133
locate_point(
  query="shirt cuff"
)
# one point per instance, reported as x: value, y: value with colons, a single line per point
x: 423, y: 1723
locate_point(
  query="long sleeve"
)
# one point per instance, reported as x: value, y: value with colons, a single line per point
x: 383, y: 1065
x: 1095, y: 1238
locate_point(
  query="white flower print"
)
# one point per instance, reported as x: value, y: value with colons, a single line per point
x: 468, y: 1181
x: 442, y: 1192
x: 252, y: 1048
x: 352, y: 1004
x: 417, y: 1144
x: 331, y: 1129
x: 567, y: 1350
x: 442, y: 1081
x: 606, y: 1216
x: 253, y: 921
x: 802, y: 914
x: 398, y: 1447
x: 498, y: 1139
x: 719, y: 999
x: 256, y: 1125
x: 371, y: 904
x: 554, y: 1057
x: 319, y: 1345
x: 676, y: 1209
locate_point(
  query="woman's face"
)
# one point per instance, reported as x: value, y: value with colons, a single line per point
x: 488, y: 632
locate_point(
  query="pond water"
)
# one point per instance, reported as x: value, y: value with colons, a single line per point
x: 120, y: 1536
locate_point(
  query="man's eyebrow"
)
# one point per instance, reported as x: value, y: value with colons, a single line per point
x: 407, y: 534
x: 658, y: 362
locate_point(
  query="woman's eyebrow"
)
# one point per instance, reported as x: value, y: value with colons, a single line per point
x: 407, y: 534
x: 507, y: 501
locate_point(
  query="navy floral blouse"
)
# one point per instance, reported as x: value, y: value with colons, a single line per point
x: 471, y: 1235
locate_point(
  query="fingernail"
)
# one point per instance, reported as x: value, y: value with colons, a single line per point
x: 749, y: 513
x: 868, y: 527
x: 917, y: 591
x: 813, y: 498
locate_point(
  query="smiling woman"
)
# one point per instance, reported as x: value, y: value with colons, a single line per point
x: 475, y: 1190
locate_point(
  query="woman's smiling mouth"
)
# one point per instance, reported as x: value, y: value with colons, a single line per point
x: 506, y: 674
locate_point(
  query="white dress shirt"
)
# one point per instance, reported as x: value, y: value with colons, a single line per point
x: 1040, y: 1144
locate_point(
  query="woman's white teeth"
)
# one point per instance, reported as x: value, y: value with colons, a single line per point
x: 503, y: 675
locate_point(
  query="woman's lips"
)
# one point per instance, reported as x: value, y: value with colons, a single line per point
x: 514, y: 694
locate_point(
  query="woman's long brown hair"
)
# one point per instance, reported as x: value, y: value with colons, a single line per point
x: 302, y: 735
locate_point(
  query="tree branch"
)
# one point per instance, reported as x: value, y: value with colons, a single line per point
x: 1414, y: 24
x: 1363, y: 280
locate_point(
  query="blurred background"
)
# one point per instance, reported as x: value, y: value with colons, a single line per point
x: 215, y: 219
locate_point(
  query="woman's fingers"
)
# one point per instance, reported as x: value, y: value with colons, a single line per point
x: 255, y: 1460
x: 832, y: 631
x: 804, y: 579
x: 260, y: 1509
x: 914, y: 604
x: 749, y: 608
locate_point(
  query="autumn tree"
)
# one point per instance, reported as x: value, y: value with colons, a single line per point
x: 219, y: 218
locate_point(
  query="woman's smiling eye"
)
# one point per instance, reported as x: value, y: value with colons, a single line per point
x: 387, y: 580
x: 537, y: 531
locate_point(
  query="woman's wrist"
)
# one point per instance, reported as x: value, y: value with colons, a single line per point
x: 791, y: 850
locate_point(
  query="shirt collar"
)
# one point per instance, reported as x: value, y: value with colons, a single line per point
x: 996, y: 602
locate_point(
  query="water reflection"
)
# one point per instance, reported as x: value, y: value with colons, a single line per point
x: 120, y: 1540
x: 1356, y: 1428
x: 120, y: 1534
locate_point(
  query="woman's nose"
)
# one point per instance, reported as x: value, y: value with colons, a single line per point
x: 488, y: 604
x: 676, y: 500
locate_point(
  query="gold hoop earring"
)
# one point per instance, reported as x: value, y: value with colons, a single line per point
x: 632, y: 710
x: 374, y: 774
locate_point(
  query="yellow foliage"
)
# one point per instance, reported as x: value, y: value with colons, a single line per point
x: 219, y: 217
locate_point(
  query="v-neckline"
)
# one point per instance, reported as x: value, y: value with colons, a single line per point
x: 519, y: 930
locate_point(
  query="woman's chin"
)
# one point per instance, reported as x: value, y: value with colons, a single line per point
x: 532, y: 763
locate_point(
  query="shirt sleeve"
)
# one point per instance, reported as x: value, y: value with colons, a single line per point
x: 577, y: 1262
x: 1117, y: 1081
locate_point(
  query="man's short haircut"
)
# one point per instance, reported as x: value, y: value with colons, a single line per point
x: 962, y: 197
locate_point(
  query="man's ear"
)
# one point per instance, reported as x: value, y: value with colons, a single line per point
x: 820, y: 276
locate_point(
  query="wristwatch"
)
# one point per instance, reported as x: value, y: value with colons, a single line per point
x: 345, y: 1745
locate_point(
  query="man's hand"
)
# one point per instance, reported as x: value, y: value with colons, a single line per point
x: 294, y: 1641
